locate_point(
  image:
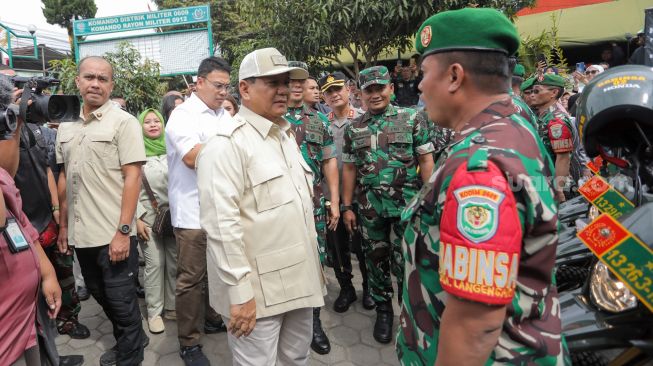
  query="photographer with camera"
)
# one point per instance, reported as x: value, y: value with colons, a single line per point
x: 26, y: 266
x: 41, y: 206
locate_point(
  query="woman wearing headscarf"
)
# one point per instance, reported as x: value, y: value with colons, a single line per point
x: 160, y: 251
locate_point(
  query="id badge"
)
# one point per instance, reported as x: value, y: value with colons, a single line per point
x: 14, y: 236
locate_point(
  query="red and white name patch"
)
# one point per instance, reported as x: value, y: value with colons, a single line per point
x: 480, y: 237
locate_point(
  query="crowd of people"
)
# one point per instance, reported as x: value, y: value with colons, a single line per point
x: 239, y: 203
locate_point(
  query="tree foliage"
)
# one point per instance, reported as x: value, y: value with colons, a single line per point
x: 65, y: 70
x: 326, y: 31
x: 547, y: 44
x: 135, y: 79
x: 62, y: 12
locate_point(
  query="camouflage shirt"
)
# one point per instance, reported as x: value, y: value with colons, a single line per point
x: 484, y: 229
x: 440, y: 136
x: 523, y: 108
x: 556, y: 130
x: 384, y: 148
x: 316, y: 144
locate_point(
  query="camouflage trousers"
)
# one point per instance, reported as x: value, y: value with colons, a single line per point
x: 382, y: 249
x: 321, y: 228
x: 70, y: 306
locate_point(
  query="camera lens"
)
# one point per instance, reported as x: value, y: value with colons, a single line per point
x: 56, y: 108
x: 8, y: 122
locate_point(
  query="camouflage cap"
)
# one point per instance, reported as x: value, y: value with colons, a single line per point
x: 519, y: 70
x: 374, y: 75
x: 459, y: 30
x: 298, y: 64
x: 334, y: 79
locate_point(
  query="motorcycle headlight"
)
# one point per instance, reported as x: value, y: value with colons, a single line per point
x: 608, y: 293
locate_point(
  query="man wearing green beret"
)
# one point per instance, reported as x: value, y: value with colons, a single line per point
x: 481, y: 235
x: 555, y: 127
x: 518, y: 72
x: 381, y: 154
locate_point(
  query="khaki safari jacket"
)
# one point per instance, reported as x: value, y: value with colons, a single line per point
x: 256, y: 208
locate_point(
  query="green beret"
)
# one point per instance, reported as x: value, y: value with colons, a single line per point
x: 551, y: 80
x: 374, y: 75
x: 527, y: 84
x: 519, y: 70
x: 481, y: 29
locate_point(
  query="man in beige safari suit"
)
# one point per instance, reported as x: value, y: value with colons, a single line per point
x: 256, y: 208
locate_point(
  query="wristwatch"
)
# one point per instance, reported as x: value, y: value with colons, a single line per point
x: 346, y: 208
x: 125, y: 229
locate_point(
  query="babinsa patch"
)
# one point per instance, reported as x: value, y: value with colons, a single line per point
x: 556, y: 131
x: 478, y: 212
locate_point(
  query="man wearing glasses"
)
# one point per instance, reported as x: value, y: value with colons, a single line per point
x: 189, y: 127
x: 555, y: 127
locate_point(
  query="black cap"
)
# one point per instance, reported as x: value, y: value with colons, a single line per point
x: 334, y: 79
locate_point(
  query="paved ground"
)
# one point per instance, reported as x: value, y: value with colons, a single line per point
x: 350, y: 334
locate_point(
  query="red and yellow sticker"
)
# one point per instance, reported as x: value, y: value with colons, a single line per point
x: 595, y: 165
x: 607, y: 199
x: 627, y: 257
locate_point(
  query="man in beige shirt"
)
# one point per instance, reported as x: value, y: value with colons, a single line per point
x: 256, y: 208
x: 98, y: 187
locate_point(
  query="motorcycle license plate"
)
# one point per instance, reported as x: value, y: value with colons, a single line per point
x: 625, y: 254
x: 607, y: 199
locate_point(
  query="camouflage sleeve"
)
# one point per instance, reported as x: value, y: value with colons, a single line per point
x: 560, y: 135
x: 328, y: 143
x: 480, y: 237
x: 347, y: 152
x: 422, y: 136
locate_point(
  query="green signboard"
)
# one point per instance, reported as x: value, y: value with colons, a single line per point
x: 153, y: 19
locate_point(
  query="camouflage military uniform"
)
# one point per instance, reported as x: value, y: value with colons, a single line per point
x: 488, y: 203
x: 556, y: 130
x: 523, y: 108
x: 316, y: 144
x: 440, y: 136
x: 384, y: 148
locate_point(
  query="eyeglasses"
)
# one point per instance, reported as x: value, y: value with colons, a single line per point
x: 535, y: 91
x: 218, y: 86
x: 591, y: 72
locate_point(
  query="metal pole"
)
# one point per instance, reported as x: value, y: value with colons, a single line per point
x: 42, y: 47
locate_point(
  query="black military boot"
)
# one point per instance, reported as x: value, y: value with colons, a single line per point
x: 383, y: 324
x: 368, y: 301
x: 320, y: 343
x: 346, y: 297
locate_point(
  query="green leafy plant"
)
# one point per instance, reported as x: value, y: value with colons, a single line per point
x: 65, y: 70
x: 136, y: 80
x: 546, y: 43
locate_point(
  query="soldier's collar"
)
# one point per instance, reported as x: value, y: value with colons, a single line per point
x: 390, y: 110
x: 98, y: 113
x: 497, y: 110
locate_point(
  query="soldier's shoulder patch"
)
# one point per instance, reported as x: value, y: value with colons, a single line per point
x: 480, y: 237
x: 478, y: 211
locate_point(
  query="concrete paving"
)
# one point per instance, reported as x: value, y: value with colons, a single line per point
x: 350, y: 334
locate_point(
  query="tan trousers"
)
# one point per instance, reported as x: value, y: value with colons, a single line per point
x: 160, y: 254
x: 192, y: 290
x: 281, y: 340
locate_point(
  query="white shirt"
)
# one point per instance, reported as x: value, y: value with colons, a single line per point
x: 191, y: 123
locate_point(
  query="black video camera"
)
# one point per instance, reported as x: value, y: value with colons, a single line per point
x: 45, y: 108
x: 8, y: 122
